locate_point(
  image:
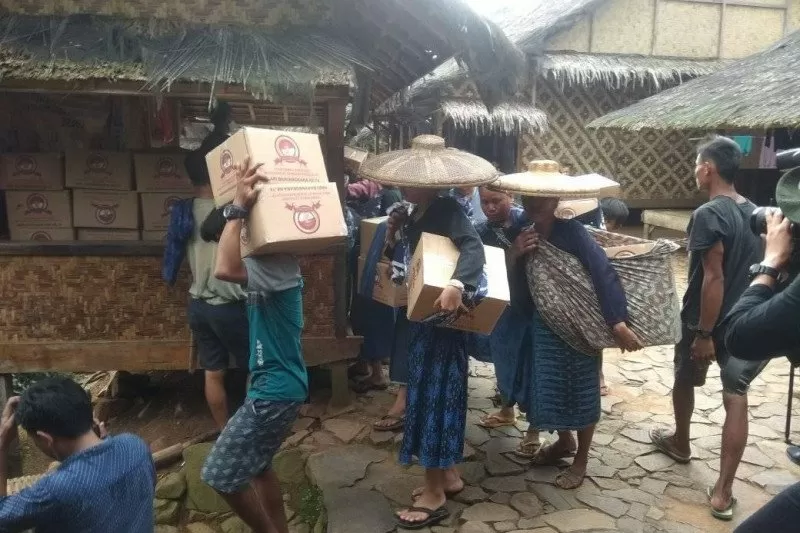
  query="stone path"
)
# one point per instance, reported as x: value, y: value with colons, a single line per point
x: 630, y: 488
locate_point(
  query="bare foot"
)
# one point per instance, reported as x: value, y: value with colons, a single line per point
x: 450, y: 489
x: 426, y: 500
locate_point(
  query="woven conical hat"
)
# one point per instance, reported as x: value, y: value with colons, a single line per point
x: 428, y: 164
x: 544, y: 179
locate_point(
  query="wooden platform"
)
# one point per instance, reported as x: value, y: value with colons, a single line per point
x: 673, y: 219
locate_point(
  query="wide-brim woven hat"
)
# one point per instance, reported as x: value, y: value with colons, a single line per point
x: 787, y: 195
x: 543, y: 178
x: 428, y: 164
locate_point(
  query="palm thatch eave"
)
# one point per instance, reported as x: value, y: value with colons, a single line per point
x: 758, y: 92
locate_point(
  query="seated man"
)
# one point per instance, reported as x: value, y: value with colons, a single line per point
x: 101, y: 485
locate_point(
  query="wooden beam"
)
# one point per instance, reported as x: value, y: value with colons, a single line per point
x: 142, y: 355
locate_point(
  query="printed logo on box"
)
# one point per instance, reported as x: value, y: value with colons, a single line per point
x: 566, y: 213
x: 105, y: 213
x: 40, y: 236
x: 623, y: 253
x: 166, y: 169
x: 36, y: 204
x: 287, y: 150
x: 168, y: 203
x: 305, y: 217
x: 25, y: 165
x: 96, y: 164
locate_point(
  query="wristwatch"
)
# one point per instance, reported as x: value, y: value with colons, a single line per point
x: 764, y: 270
x: 703, y: 334
x: 234, y: 212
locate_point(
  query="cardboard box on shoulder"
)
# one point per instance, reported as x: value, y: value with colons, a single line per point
x: 294, y: 218
x: 108, y: 235
x: 105, y: 209
x: 156, y: 209
x: 385, y: 291
x: 432, y: 267
x: 161, y: 173
x: 110, y: 171
x: 42, y: 235
x: 354, y: 158
x: 154, y: 236
x: 286, y: 157
x: 32, y: 172
x: 32, y: 211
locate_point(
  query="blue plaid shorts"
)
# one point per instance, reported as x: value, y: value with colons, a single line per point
x: 246, y: 446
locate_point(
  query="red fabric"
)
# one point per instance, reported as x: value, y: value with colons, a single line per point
x: 363, y: 189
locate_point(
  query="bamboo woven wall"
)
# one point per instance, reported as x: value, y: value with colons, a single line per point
x: 651, y: 166
x: 120, y: 298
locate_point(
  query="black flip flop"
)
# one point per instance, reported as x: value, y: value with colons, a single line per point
x: 434, y: 517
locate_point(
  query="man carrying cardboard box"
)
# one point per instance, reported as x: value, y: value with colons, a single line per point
x: 217, y: 314
x: 239, y: 465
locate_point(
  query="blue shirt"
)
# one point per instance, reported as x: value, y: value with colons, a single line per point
x: 108, y: 487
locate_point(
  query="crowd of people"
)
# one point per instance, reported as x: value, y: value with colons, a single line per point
x: 249, y: 312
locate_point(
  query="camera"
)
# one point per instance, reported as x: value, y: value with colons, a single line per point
x: 758, y: 221
x: 758, y: 225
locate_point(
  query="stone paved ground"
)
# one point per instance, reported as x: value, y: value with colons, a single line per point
x: 629, y: 489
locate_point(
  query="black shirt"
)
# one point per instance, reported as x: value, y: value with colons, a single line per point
x: 762, y: 326
x: 721, y: 219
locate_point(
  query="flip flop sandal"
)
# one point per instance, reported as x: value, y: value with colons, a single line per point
x: 527, y: 449
x: 399, y: 422
x: 434, y: 517
x: 568, y: 480
x: 659, y: 439
x: 545, y: 456
x: 726, y: 514
x: 495, y: 421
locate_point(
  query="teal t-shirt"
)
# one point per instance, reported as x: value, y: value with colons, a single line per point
x: 275, y: 313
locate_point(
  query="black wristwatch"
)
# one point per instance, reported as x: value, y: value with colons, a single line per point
x: 234, y: 212
x: 764, y: 270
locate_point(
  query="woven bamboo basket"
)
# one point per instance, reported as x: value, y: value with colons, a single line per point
x: 19, y: 484
x: 565, y: 298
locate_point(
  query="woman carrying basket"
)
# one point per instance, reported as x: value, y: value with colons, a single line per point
x: 562, y: 386
x: 436, y: 405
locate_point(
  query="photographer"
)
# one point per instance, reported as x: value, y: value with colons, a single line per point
x: 763, y: 325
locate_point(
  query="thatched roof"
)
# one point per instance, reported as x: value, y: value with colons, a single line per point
x: 84, y: 39
x: 759, y: 92
x: 507, y: 118
x: 531, y: 23
x: 620, y: 71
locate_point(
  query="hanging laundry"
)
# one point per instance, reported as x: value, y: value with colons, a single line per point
x: 769, y: 158
x: 745, y: 142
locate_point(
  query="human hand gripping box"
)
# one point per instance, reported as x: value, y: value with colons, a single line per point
x: 432, y: 267
x: 294, y: 218
x: 285, y: 157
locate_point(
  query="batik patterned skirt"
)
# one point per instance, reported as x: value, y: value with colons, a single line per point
x: 436, y: 408
x: 564, y: 384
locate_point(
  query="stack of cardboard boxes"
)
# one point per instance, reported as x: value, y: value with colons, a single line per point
x: 298, y: 210
x: 38, y: 206
x: 89, y: 195
x: 104, y: 205
x: 161, y: 180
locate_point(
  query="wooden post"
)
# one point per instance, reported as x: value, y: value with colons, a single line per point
x: 334, y: 152
x: 14, y: 457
